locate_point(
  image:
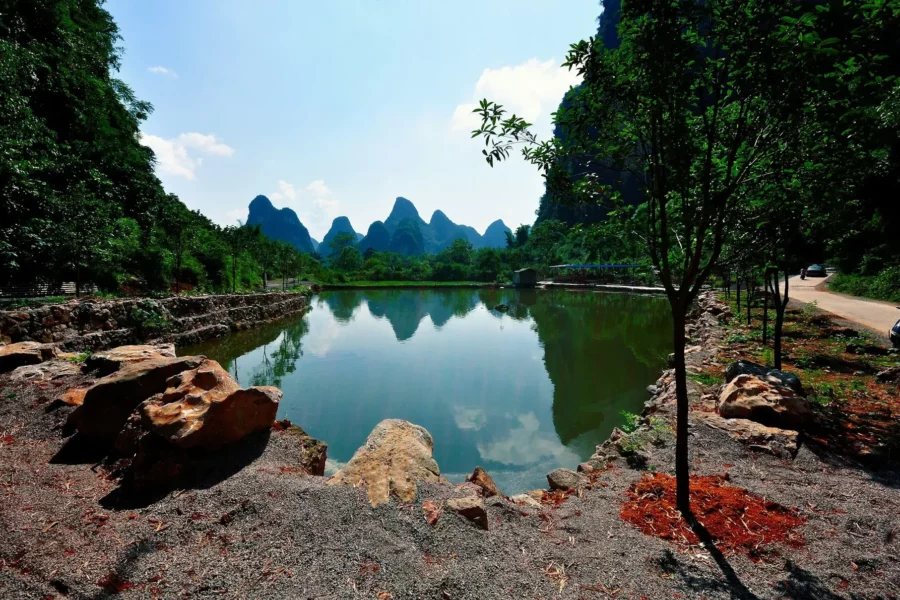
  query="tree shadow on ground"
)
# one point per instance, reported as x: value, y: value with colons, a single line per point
x: 200, y: 470
x: 803, y: 585
x: 116, y: 581
x: 733, y: 583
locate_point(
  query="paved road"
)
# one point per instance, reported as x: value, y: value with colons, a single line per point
x: 874, y: 315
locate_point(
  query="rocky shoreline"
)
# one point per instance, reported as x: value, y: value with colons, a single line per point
x: 189, y: 468
x: 91, y: 325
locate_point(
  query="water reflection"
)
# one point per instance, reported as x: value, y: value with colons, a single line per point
x: 518, y: 392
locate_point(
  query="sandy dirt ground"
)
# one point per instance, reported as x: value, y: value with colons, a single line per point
x: 876, y: 316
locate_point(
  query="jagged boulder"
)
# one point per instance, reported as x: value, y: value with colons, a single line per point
x: 749, y: 397
x: 108, y: 403
x: 773, y: 376
x: 313, y: 453
x: 396, y: 456
x: 484, y: 481
x: 13, y: 356
x: 109, y: 361
x: 205, y: 408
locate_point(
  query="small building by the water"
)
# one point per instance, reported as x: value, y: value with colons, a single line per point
x: 525, y: 278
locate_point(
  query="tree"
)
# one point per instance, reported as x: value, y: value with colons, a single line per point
x: 341, y: 241
x: 348, y: 260
x: 522, y: 232
x: 70, y: 133
x: 265, y: 250
x: 236, y: 239
x: 460, y: 251
x: 697, y: 102
x: 286, y: 258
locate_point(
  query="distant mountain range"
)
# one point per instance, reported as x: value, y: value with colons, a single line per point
x: 404, y: 231
x: 279, y: 224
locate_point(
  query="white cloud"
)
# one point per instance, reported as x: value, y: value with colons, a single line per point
x: 205, y: 143
x: 313, y: 204
x: 286, y: 192
x: 236, y: 214
x: 158, y: 70
x: 318, y: 188
x: 531, y: 90
x: 526, y: 445
x: 173, y: 158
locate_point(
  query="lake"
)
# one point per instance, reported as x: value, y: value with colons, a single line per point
x: 518, y: 392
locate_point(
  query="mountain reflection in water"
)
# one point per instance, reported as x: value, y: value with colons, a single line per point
x: 519, y: 392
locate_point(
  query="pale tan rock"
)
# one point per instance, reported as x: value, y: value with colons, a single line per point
x: 484, y: 481
x: 13, y: 356
x: 206, y: 408
x: 781, y: 442
x: 525, y: 499
x: 471, y: 508
x: 112, y: 360
x: 45, y: 371
x: 748, y: 397
x: 396, y: 456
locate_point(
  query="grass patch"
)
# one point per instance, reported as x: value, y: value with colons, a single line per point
x: 707, y: 379
x: 80, y: 357
x: 630, y: 422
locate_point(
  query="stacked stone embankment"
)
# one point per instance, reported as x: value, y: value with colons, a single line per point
x: 182, y: 320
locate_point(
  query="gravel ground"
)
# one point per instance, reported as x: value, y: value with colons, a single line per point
x: 252, y: 527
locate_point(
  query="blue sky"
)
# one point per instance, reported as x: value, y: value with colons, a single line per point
x: 337, y: 107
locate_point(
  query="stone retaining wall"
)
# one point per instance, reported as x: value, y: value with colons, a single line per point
x: 100, y: 324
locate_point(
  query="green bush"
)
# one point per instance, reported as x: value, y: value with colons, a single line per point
x: 883, y: 286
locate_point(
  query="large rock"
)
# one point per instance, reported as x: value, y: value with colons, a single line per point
x: 109, y: 361
x: 749, y: 397
x: 774, y: 376
x: 108, y: 403
x: 13, y: 356
x: 395, y: 457
x: 566, y: 479
x: 484, y: 481
x: 206, y: 408
x: 783, y: 443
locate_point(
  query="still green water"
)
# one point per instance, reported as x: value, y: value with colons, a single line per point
x: 519, y: 393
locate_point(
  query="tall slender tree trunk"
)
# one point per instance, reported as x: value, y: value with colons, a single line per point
x: 750, y: 296
x: 682, y: 467
x: 780, y: 306
x: 77, y: 279
x: 765, y: 314
x: 234, y: 274
x: 738, y: 284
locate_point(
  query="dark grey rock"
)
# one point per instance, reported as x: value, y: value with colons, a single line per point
x: 745, y: 367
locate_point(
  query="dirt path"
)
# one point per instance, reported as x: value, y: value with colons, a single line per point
x: 871, y: 314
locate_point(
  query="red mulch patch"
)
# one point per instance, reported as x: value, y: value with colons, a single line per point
x: 737, y: 520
